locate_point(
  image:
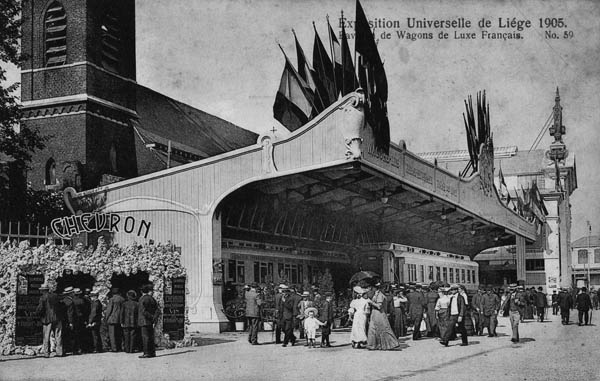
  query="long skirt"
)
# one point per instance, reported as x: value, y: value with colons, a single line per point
x: 380, y: 336
x: 359, y: 328
x: 443, y: 321
x: 399, y: 322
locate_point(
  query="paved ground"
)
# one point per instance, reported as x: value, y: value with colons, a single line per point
x: 548, y: 351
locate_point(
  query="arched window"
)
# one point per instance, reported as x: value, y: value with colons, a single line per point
x: 50, y: 172
x: 111, y: 41
x: 55, y: 34
x: 113, y: 158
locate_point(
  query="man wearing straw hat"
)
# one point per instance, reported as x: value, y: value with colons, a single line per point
x: 288, y: 313
x: 457, y: 311
x: 253, y: 303
x: 279, y: 312
x: 50, y: 311
x: 72, y: 320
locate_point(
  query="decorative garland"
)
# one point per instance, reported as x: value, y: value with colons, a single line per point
x: 159, y: 261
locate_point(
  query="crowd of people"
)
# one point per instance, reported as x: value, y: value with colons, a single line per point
x: 72, y: 321
x: 381, y: 314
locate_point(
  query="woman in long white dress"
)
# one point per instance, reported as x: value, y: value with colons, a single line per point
x: 359, y: 313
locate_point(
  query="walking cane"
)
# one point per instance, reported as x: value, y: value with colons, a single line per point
x: 591, y: 313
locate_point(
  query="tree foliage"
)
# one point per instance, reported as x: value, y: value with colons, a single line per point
x: 16, y: 144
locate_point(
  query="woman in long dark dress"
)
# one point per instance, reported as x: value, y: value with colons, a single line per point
x: 380, y: 335
x: 399, y: 306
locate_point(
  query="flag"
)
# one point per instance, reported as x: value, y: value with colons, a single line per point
x: 503, y: 186
x: 293, y: 105
x: 366, y: 47
x: 349, y: 81
x: 324, y: 69
x: 306, y: 73
x: 336, y: 57
x: 372, y: 79
x: 508, y: 199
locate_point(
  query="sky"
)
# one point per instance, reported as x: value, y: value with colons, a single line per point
x: 221, y: 56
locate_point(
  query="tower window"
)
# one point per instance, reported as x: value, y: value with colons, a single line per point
x: 111, y: 42
x: 50, y: 172
x: 55, y: 28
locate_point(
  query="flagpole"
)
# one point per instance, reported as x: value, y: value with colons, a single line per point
x: 342, y: 53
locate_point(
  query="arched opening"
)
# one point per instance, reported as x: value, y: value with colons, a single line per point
x: 55, y: 35
x: 69, y: 278
x: 130, y: 282
x: 50, y: 172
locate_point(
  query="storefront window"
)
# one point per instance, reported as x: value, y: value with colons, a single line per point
x: 535, y: 264
x: 582, y: 256
x: 241, y: 273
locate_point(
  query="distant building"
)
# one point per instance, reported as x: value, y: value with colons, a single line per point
x: 547, y: 261
x: 586, y: 262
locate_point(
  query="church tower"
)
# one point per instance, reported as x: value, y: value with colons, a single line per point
x: 78, y: 88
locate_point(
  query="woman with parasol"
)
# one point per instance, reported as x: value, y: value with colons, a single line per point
x: 359, y: 311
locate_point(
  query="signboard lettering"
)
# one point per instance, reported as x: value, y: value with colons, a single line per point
x: 65, y: 227
x: 28, y: 329
x: 174, y: 308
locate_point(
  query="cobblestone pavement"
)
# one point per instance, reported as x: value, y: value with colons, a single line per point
x: 547, y: 351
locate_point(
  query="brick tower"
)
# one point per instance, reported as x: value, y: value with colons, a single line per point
x: 78, y: 88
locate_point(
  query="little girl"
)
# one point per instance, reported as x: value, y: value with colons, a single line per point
x: 311, y: 323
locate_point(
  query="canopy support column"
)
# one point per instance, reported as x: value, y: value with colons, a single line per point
x: 520, y: 244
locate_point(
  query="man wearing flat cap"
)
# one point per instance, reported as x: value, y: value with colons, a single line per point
x: 253, y: 304
x: 51, y: 314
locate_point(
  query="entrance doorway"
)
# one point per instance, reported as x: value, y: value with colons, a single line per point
x: 130, y: 282
x: 78, y: 280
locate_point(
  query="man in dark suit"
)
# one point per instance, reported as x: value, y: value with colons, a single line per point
x: 565, y: 302
x: 253, y: 305
x: 147, y: 316
x: 50, y: 311
x: 94, y: 320
x: 86, y: 338
x: 554, y: 302
x: 72, y: 320
x: 129, y: 320
x: 79, y: 328
x: 583, y: 304
x: 457, y: 310
x: 417, y: 304
x: 279, y: 312
x: 288, y: 315
x: 326, y: 316
x: 113, y: 319
x: 540, y: 304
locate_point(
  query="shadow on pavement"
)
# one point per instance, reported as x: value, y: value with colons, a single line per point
x: 175, y: 353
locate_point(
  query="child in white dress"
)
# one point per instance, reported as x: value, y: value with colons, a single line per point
x: 311, y: 323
